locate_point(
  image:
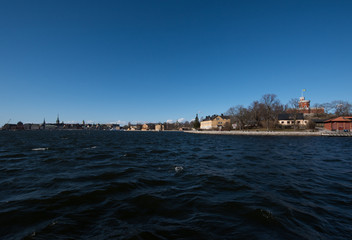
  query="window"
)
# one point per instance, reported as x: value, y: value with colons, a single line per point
x: 298, y: 121
x: 282, y: 122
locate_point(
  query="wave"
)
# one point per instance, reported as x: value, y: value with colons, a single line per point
x: 172, y: 186
x: 40, y: 149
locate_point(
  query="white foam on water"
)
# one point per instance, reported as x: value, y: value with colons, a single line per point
x: 91, y: 147
x: 178, y: 169
x: 39, y: 149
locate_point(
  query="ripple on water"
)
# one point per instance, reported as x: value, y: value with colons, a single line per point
x: 40, y: 149
x: 106, y: 185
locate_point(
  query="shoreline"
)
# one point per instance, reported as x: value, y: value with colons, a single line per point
x: 257, y: 133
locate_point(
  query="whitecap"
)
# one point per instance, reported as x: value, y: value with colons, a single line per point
x: 178, y: 169
x: 39, y: 149
x: 91, y: 147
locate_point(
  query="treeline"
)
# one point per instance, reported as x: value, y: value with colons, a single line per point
x: 263, y: 113
x: 337, y: 108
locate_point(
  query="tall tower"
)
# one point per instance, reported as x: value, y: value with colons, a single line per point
x: 57, y: 120
x: 303, y: 103
x: 43, y: 125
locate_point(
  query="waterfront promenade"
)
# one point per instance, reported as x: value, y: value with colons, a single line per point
x: 275, y: 133
x: 259, y: 133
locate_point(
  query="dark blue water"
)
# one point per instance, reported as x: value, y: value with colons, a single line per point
x: 168, y: 185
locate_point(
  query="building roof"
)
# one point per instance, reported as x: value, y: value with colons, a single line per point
x: 317, y: 120
x: 340, y: 119
x: 211, y: 118
x: 287, y: 116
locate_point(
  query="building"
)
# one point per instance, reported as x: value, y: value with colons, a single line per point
x: 31, y: 126
x: 148, y: 126
x: 50, y: 126
x: 20, y: 126
x: 8, y: 126
x: 215, y: 122
x: 319, y: 122
x: 136, y: 127
x: 339, y: 124
x: 303, y: 103
x: 159, y: 127
x: 286, y: 119
x: 113, y: 126
x: 304, y: 107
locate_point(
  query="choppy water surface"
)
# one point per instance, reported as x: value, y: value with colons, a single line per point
x: 168, y: 185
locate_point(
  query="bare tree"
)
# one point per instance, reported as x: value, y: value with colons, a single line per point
x: 227, y: 126
x: 338, y: 108
x: 240, y: 115
x: 294, y: 110
x: 231, y: 112
x: 187, y: 124
x: 328, y: 107
x: 342, y: 108
x: 256, y: 112
x: 272, y: 107
x: 324, y: 114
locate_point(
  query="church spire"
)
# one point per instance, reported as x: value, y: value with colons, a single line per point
x: 43, y: 125
x: 57, y: 120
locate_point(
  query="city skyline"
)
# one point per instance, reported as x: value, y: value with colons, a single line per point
x: 156, y: 61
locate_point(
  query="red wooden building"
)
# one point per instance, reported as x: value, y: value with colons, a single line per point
x: 340, y: 123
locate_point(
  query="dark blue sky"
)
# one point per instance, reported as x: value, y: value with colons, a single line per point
x: 106, y: 61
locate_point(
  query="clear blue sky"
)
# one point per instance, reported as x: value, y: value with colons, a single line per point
x: 151, y: 61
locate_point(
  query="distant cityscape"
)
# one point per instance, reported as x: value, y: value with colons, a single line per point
x: 265, y: 114
x: 91, y: 126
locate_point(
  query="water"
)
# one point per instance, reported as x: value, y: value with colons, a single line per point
x: 168, y: 185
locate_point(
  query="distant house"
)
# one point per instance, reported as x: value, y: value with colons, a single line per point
x: 340, y: 124
x: 137, y: 127
x: 50, y: 126
x: 20, y: 126
x: 35, y: 126
x: 286, y: 119
x: 8, y: 126
x: 215, y: 122
x: 27, y: 126
x: 148, y: 126
x: 159, y: 127
x: 31, y: 126
x: 113, y: 126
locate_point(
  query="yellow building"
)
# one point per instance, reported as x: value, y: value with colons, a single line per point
x: 148, y: 127
x: 291, y: 120
x: 215, y: 122
x: 159, y: 127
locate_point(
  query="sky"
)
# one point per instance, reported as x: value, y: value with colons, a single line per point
x: 167, y: 60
